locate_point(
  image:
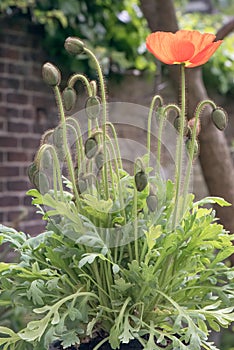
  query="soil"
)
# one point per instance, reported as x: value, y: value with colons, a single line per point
x: 133, y: 345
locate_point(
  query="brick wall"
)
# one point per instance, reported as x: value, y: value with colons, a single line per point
x: 27, y: 109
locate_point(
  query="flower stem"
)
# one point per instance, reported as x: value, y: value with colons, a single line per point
x: 180, y: 148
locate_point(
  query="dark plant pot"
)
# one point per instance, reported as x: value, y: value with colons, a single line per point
x: 132, y: 345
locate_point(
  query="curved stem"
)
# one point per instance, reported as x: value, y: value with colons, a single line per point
x: 76, y: 77
x: 56, y: 166
x: 162, y: 112
x: 65, y: 142
x: 81, y: 154
x: 155, y: 99
x: 199, y: 109
x: 104, y: 118
x: 116, y: 143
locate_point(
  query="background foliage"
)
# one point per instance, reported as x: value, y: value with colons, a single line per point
x: 116, y: 32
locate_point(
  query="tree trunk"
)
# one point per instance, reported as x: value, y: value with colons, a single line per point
x: 215, y: 155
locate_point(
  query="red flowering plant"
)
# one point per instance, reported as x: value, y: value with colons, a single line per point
x: 125, y: 259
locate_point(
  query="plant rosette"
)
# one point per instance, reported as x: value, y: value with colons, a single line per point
x: 129, y: 259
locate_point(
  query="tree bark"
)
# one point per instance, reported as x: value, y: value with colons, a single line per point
x: 215, y: 157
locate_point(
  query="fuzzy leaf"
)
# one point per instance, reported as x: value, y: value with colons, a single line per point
x: 212, y: 200
x: 70, y: 338
x: 35, y: 293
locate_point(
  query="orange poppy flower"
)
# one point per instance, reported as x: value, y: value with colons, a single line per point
x: 189, y: 47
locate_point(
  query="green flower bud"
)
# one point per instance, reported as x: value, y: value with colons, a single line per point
x: 152, y: 202
x: 58, y: 142
x: 46, y: 161
x: 32, y: 169
x: 51, y: 74
x: 141, y: 180
x: 91, y: 147
x: 188, y: 145
x: 81, y: 186
x: 177, y: 125
x: 74, y: 45
x: 93, y: 107
x: 99, y: 160
x: 41, y: 182
x: 69, y: 98
x: 46, y: 136
x: 219, y: 118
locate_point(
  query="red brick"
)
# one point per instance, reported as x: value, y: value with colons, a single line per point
x: 33, y: 228
x: 2, y: 187
x: 34, y: 85
x: 9, y: 53
x: 27, y: 201
x: 18, y: 127
x: 9, y: 83
x: 17, y: 185
x: 6, y: 171
x: 43, y: 101
x: 20, y: 69
x: 17, y: 157
x: 28, y: 113
x: 17, y: 98
x: 6, y: 141
x: 13, y: 215
x: 2, y: 67
x: 32, y: 55
x: 9, y: 112
x: 6, y: 201
x: 30, y: 143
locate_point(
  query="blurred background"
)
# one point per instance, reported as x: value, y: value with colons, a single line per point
x: 33, y: 32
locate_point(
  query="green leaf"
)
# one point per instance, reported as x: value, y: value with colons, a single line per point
x: 4, y: 266
x: 153, y: 234
x: 212, y: 200
x: 70, y: 338
x: 89, y: 258
x: 35, y: 292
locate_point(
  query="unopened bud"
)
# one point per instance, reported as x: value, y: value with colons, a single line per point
x: 141, y: 180
x: 41, y: 182
x: 46, y: 161
x: 177, y: 123
x: 69, y: 98
x: 74, y: 45
x: 191, y: 126
x: 99, y: 160
x: 152, y: 202
x: 93, y: 107
x: 189, y: 147
x: 81, y: 185
x: 219, y: 118
x: 58, y: 142
x: 32, y: 169
x: 51, y: 74
x: 46, y: 137
x: 91, y: 147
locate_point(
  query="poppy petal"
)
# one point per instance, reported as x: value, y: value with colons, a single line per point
x: 203, y: 56
x: 185, y: 46
x: 158, y: 44
x: 182, y: 51
x: 199, y: 40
